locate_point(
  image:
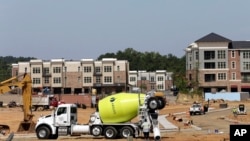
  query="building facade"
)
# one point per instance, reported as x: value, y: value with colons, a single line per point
x: 160, y: 80
x: 215, y: 63
x: 107, y: 76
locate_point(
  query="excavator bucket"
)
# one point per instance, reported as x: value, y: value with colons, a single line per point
x: 26, y: 126
x: 4, y: 129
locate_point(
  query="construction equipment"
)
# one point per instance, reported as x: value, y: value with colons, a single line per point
x: 112, y: 118
x: 241, y: 110
x: 196, y: 108
x: 25, y: 84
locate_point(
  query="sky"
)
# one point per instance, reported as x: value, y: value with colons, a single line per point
x: 86, y: 29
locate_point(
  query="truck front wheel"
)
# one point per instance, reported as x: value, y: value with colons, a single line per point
x: 110, y: 132
x: 96, y: 130
x: 126, y: 131
x: 43, y: 132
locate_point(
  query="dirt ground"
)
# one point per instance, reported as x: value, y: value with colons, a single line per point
x: 186, y: 132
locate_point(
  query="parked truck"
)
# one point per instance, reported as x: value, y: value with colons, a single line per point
x: 42, y: 102
x: 112, y: 118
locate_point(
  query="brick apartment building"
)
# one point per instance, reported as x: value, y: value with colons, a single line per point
x: 216, y: 63
x: 107, y: 76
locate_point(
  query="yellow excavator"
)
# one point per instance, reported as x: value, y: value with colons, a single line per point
x: 26, y: 85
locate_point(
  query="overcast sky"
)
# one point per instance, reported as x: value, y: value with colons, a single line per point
x: 85, y: 29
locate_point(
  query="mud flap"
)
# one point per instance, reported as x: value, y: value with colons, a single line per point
x: 26, y: 126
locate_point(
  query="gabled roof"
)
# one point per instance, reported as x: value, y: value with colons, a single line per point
x: 212, y: 37
x: 239, y: 45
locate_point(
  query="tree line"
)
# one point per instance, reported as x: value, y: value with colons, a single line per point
x: 149, y: 61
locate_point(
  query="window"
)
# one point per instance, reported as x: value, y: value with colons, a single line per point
x: 143, y: 78
x: 221, y: 65
x: 233, y: 65
x: 246, y: 65
x: 87, y: 69
x: 97, y: 69
x: 98, y: 79
x: 234, y: 76
x: 87, y: 80
x: 246, y: 54
x: 61, y: 110
x: 208, y: 55
x: 79, y: 69
x: 65, y: 69
x: 160, y: 87
x: 57, y: 80
x: 209, y: 65
x: 46, y: 80
x: 222, y: 76
x: 190, y: 59
x: 36, y: 81
x: 160, y: 78
x: 56, y: 69
x: 190, y: 66
x: 209, y: 77
x: 233, y: 54
x: 46, y: 70
x: 132, y: 79
x: 36, y: 70
x: 118, y: 68
x: 152, y: 79
x: 107, y: 69
x: 221, y: 54
x: 197, y: 55
x: 107, y: 79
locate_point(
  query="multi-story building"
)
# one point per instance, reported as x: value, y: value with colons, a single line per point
x: 160, y: 80
x: 107, y: 76
x: 215, y: 63
x: 61, y: 76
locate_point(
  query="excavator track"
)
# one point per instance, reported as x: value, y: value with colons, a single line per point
x: 4, y: 129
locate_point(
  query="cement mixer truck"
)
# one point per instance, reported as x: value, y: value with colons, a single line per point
x: 112, y: 118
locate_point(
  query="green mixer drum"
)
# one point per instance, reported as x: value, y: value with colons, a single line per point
x: 120, y: 107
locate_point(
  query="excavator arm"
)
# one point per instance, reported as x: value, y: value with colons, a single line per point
x: 26, y: 85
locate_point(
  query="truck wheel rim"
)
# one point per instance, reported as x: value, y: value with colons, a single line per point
x: 42, y: 133
x: 96, y: 131
x: 126, y: 133
x: 110, y: 133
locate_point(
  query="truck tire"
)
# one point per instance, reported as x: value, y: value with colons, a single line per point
x: 126, y: 131
x: 43, y: 132
x: 96, y: 130
x: 40, y: 108
x: 161, y: 103
x: 110, y: 132
x: 33, y: 108
x: 153, y: 103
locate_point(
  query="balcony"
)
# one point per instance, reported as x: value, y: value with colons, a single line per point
x: 46, y: 74
x: 97, y: 73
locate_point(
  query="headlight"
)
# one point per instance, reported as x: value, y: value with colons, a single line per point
x: 92, y: 118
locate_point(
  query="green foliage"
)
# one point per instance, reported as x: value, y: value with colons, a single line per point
x: 6, y: 65
x: 152, y: 61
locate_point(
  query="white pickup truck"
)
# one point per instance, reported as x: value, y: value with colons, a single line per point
x: 196, y: 108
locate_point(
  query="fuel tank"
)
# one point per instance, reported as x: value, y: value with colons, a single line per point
x: 120, y: 107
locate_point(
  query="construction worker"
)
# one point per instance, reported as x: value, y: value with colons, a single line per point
x: 145, y: 128
x: 234, y: 111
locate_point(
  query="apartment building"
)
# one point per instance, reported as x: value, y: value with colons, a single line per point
x: 160, y: 80
x: 108, y: 75
x: 215, y: 63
